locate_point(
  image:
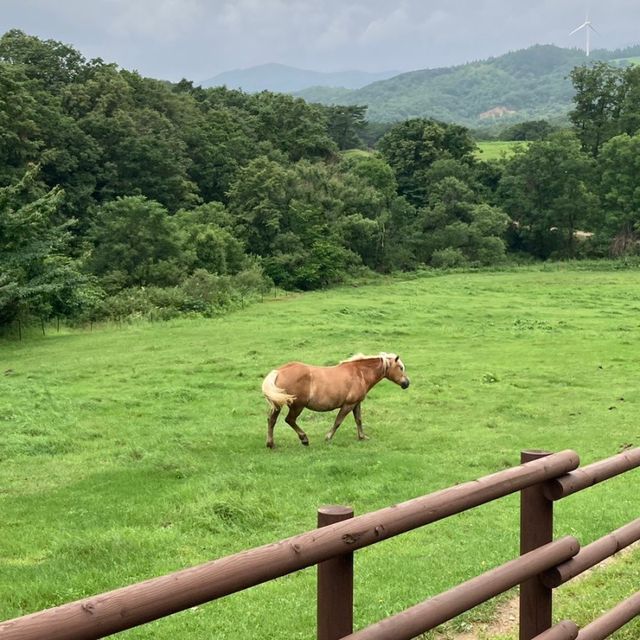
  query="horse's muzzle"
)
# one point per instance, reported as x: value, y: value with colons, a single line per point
x: 405, y: 383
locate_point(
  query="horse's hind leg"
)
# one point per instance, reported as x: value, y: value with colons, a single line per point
x: 294, y: 412
x: 357, y: 414
x: 342, y: 414
x: 273, y: 416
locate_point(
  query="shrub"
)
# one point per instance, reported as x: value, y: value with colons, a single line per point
x: 206, y: 292
x: 448, y: 258
x: 150, y: 303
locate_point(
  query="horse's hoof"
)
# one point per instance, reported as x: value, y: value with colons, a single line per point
x: 270, y: 445
x: 304, y: 442
x: 363, y: 437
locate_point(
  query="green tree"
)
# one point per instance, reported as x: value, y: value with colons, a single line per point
x: 349, y: 203
x: 258, y: 200
x: 597, y: 103
x: 374, y: 171
x: 455, y: 229
x: 35, y: 128
x: 218, y: 142
x: 292, y: 126
x: 619, y: 168
x: 20, y: 141
x: 345, y: 124
x: 400, y: 237
x: 529, y: 130
x: 208, y: 239
x: 34, y: 121
x: 322, y: 263
x: 310, y: 222
x: 373, y: 131
x: 139, y: 147
x: 37, y: 278
x: 135, y: 243
x: 411, y: 147
x: 630, y: 104
x: 366, y: 187
x: 51, y: 63
x: 548, y: 190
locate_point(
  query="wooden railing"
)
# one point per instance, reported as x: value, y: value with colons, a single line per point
x: 536, y: 530
x: 543, y: 565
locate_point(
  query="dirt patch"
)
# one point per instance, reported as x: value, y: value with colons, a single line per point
x: 496, y: 112
x: 505, y: 621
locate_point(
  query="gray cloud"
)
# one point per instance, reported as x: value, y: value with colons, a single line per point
x: 198, y: 38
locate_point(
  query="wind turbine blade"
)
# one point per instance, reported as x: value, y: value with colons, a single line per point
x: 582, y: 26
x: 593, y: 28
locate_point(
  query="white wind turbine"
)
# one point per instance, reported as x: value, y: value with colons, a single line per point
x: 588, y: 27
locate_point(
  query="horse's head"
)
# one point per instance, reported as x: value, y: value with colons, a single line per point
x: 394, y: 370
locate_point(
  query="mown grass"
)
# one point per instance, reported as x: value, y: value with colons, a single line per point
x: 130, y: 452
x: 497, y: 149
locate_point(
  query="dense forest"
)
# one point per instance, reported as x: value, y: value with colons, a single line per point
x: 528, y: 84
x: 124, y: 196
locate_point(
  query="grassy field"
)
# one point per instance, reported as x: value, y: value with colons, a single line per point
x: 496, y: 149
x: 487, y: 149
x: 356, y: 153
x: 129, y: 452
x: 625, y: 61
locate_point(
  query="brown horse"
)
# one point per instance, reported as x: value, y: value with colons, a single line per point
x: 345, y: 385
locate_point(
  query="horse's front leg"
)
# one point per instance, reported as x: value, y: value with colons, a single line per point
x: 342, y: 414
x: 357, y: 414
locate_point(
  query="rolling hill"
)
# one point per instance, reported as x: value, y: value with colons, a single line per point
x: 520, y: 85
x: 285, y: 79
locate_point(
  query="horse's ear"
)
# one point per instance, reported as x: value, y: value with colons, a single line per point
x: 397, y: 358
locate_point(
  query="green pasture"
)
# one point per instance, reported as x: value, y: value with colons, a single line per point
x: 625, y: 61
x: 129, y: 452
x: 356, y: 153
x: 497, y: 149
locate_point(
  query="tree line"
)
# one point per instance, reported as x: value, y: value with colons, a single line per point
x: 122, y: 195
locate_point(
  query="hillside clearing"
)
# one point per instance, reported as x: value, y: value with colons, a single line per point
x: 498, y: 149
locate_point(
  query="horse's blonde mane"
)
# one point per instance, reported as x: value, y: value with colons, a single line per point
x: 385, y: 357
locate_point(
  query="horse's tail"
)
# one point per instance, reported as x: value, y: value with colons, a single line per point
x: 275, y: 396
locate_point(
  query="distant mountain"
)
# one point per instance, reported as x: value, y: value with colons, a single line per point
x: 521, y: 85
x: 284, y: 79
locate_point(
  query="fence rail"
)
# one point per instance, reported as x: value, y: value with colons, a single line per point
x: 541, y: 479
x: 565, y: 630
x: 613, y: 620
x: 593, y: 554
x: 430, y: 613
x: 592, y: 474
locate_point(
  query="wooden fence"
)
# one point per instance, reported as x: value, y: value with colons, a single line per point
x: 543, y: 565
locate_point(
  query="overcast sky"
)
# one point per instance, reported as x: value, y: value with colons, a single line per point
x: 196, y: 39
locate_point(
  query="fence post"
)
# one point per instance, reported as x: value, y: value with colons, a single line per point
x: 536, y: 529
x: 335, y: 584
